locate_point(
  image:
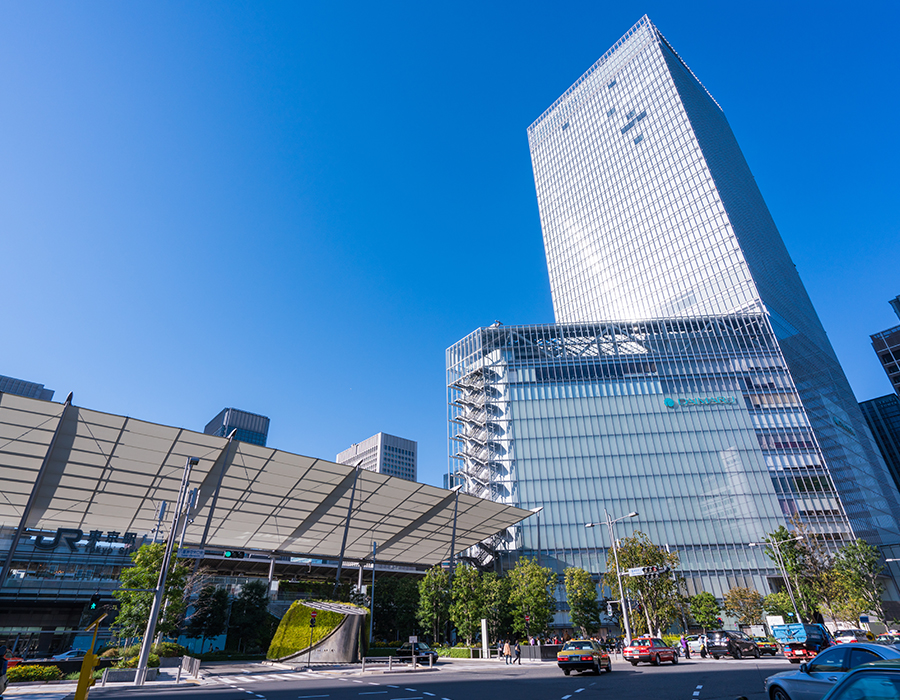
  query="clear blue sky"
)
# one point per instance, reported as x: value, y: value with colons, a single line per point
x: 295, y: 208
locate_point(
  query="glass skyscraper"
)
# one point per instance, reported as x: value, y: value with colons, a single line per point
x: 694, y: 423
x: 649, y: 210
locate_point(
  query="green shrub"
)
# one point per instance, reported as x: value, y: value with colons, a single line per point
x: 98, y: 674
x: 111, y: 653
x: 294, y: 633
x: 460, y: 653
x: 169, y: 649
x: 29, y: 672
x: 673, y: 640
x: 132, y: 661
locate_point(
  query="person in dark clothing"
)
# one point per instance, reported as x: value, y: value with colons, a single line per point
x: 518, y: 652
x: 2, y: 670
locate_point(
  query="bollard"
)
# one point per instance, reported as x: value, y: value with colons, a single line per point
x: 414, y: 660
x: 103, y: 678
x: 178, y: 676
x: 430, y: 661
x: 364, y: 664
x: 390, y: 663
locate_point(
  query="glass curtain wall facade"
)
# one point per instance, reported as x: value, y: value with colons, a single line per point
x: 649, y: 210
x: 694, y: 423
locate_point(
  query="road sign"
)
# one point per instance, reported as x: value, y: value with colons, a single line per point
x: 312, y: 619
x: 636, y: 571
x: 413, y: 640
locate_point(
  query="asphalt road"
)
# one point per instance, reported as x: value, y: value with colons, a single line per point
x: 478, y: 680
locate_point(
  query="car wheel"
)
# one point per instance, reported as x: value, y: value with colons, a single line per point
x: 634, y: 663
x: 758, y: 654
x: 715, y: 656
x: 777, y: 693
x: 609, y: 667
x: 597, y: 669
x: 567, y: 671
x: 737, y: 653
x: 674, y: 659
x: 655, y: 661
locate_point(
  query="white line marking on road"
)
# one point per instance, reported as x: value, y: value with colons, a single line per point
x: 411, y: 690
x: 566, y: 697
x: 309, y: 696
x: 424, y: 692
x: 257, y: 694
x: 577, y: 691
x: 371, y: 683
x: 390, y: 686
x: 355, y: 681
x: 374, y: 692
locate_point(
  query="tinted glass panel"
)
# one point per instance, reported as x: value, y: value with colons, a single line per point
x: 829, y: 661
x: 861, y: 656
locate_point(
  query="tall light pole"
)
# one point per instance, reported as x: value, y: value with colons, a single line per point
x: 612, y: 539
x: 780, y: 561
x: 537, y: 512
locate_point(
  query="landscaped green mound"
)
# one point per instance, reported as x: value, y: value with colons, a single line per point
x: 294, y: 633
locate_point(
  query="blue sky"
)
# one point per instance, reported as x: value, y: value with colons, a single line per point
x: 295, y: 208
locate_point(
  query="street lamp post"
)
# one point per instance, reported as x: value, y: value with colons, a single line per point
x: 612, y: 539
x: 780, y: 561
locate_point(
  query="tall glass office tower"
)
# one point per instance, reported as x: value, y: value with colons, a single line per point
x: 649, y: 210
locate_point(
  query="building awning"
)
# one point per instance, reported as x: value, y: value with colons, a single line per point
x: 106, y: 472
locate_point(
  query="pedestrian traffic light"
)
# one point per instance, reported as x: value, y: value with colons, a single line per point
x: 95, y: 601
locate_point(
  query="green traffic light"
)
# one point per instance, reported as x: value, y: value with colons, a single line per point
x: 227, y: 554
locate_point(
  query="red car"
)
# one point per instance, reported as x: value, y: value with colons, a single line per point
x: 649, y: 649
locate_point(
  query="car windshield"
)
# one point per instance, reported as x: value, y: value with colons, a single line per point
x: 577, y: 645
x: 645, y: 642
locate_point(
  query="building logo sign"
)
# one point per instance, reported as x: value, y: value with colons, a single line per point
x: 672, y: 403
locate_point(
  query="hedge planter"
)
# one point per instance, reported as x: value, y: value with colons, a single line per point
x: 335, y: 637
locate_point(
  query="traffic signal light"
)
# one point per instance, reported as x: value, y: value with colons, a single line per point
x: 233, y: 554
x: 655, y: 571
x: 95, y: 601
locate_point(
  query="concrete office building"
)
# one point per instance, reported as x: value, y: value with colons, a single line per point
x: 887, y: 346
x: 384, y: 454
x: 19, y: 387
x: 251, y: 427
x: 694, y: 423
x: 649, y: 210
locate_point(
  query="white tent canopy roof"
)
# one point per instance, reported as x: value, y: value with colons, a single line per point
x: 109, y: 472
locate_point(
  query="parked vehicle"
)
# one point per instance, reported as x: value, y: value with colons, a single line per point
x: 844, y: 636
x: 801, y: 642
x: 876, y: 680
x: 649, y: 649
x: 888, y: 638
x: 421, y: 650
x: 583, y: 655
x: 71, y: 655
x: 814, y: 679
x: 766, y: 645
x: 730, y: 642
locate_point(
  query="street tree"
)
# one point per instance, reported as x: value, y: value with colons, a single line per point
x: 467, y: 601
x: 705, y: 610
x: 434, y: 601
x: 396, y: 603
x: 859, y: 564
x: 745, y: 604
x: 531, y: 595
x: 779, y: 603
x: 581, y: 594
x: 251, y: 626
x: 804, y: 561
x: 497, y: 608
x: 659, y: 596
x: 134, y: 606
x: 210, y: 614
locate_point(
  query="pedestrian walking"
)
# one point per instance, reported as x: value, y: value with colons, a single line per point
x: 507, y: 653
x: 518, y: 651
x: 499, y: 649
x: 685, y: 648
